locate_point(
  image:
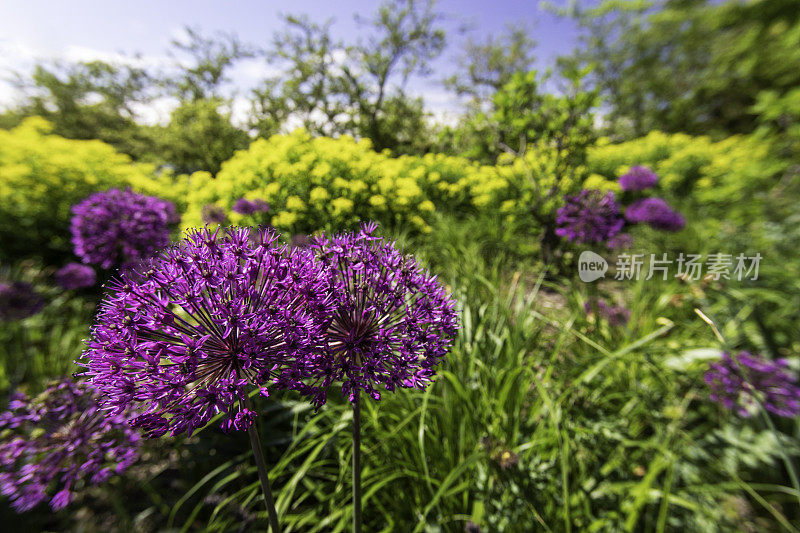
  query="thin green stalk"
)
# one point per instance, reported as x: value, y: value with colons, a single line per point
x: 255, y: 442
x: 356, y: 465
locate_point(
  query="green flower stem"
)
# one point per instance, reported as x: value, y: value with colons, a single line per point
x: 356, y: 465
x: 255, y: 442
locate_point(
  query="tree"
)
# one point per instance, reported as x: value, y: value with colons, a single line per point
x: 89, y: 100
x: 199, y: 136
x: 331, y: 87
x: 693, y: 66
x: 211, y: 58
x: 310, y: 89
x: 483, y: 68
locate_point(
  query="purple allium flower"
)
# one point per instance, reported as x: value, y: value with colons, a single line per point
x: 589, y: 217
x: 638, y: 178
x: 18, y: 300
x: 393, y: 322
x: 75, y: 276
x: 117, y: 227
x: 185, y: 335
x: 736, y: 386
x: 244, y: 206
x: 620, y: 241
x: 615, y: 315
x: 656, y: 213
x: 60, y: 439
x: 213, y: 214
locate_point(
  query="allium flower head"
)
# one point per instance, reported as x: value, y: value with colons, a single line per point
x: 736, y: 386
x: 117, y: 227
x: 213, y: 214
x: 75, y: 276
x: 616, y: 315
x: 18, y: 300
x: 589, y: 217
x: 244, y: 206
x: 656, y: 213
x: 638, y: 178
x: 58, y: 442
x: 393, y: 322
x: 185, y: 335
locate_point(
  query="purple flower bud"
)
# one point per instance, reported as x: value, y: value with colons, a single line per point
x: 18, y: 300
x: 75, y: 276
x: 638, y: 178
x: 656, y: 213
x: 589, y: 217
x: 300, y: 240
x: 247, y: 207
x: 213, y: 214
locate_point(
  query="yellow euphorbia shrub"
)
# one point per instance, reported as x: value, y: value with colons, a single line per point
x: 330, y: 183
x: 43, y: 175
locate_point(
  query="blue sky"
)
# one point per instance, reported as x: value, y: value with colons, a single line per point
x: 86, y: 29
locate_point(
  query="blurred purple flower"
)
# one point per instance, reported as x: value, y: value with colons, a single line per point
x: 301, y: 240
x: 736, y: 386
x: 616, y: 315
x: 117, y: 227
x: 213, y: 214
x: 18, y: 300
x: 393, y: 322
x: 185, y: 335
x: 656, y: 213
x: 638, y: 178
x: 58, y: 440
x: 75, y: 276
x: 248, y: 207
x: 589, y: 217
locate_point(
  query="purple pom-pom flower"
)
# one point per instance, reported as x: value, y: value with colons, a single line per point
x: 75, y: 276
x: 393, y: 322
x: 117, y: 227
x: 589, y: 217
x: 18, y: 300
x: 187, y: 334
x: 656, y: 213
x: 638, y: 178
x: 59, y: 440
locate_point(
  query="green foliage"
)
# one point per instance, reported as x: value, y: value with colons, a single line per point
x: 335, y: 88
x: 541, y: 420
x: 199, y: 137
x: 484, y: 67
x: 43, y: 175
x: 89, y: 100
x: 689, y: 66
